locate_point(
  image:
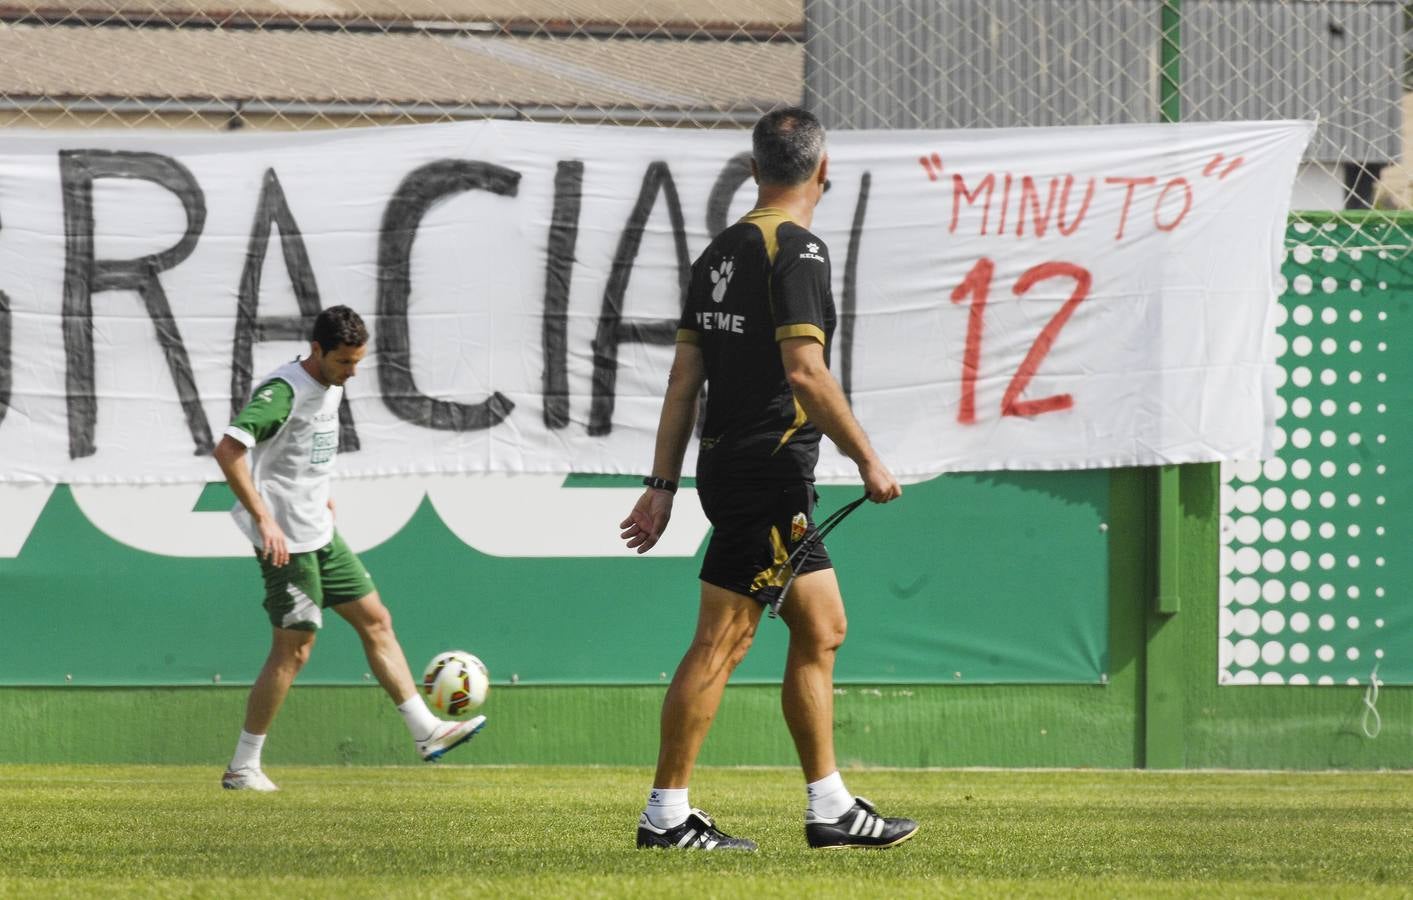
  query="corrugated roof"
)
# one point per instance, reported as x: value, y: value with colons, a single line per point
x: 759, y: 18
x: 294, y: 66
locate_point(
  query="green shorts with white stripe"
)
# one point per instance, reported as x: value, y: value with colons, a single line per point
x: 296, y: 591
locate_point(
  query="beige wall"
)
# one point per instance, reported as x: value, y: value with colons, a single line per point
x: 1396, y: 184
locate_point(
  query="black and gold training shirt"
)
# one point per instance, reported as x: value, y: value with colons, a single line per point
x: 761, y: 281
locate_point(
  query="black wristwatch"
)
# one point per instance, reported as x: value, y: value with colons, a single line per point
x: 661, y: 484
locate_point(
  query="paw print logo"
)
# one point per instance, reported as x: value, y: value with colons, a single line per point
x: 813, y: 248
x: 721, y: 277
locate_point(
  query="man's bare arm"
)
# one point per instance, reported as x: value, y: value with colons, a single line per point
x: 646, y: 523
x: 230, y: 456
x: 826, y: 406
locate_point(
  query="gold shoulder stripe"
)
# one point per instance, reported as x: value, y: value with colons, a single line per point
x: 793, y: 331
x: 687, y: 336
x: 768, y: 220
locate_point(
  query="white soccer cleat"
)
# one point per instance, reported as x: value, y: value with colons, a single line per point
x: 448, y: 736
x: 247, y: 779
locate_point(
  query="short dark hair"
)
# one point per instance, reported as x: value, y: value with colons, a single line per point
x: 338, y: 326
x: 787, y: 145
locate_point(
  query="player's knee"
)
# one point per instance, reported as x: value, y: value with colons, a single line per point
x: 300, y: 655
x: 383, y: 619
x: 827, y: 636
x: 292, y: 655
x: 740, y: 648
x: 377, y: 622
x: 724, y: 648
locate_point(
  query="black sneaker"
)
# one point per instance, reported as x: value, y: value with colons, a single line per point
x: 861, y: 826
x: 697, y: 833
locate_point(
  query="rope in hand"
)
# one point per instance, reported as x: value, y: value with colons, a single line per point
x: 802, y: 553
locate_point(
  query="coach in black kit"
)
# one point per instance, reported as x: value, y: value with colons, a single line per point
x: 756, y: 330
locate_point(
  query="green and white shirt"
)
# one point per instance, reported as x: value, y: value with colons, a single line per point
x: 291, y: 426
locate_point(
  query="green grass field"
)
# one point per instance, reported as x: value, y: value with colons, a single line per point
x: 520, y: 831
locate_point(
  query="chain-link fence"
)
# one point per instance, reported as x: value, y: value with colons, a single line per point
x: 711, y: 63
x: 1071, y: 62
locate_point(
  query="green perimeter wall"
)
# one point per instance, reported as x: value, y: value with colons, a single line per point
x: 1162, y: 706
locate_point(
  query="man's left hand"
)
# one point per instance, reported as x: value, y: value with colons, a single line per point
x: 648, y: 520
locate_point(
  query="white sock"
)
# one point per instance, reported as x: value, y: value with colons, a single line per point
x: 829, y: 799
x: 247, y: 752
x: 420, y: 721
x: 667, y: 807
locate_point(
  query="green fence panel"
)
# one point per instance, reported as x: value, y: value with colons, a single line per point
x: 969, y: 578
x: 1315, y: 573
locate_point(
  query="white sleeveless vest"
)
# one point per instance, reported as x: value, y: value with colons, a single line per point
x: 291, y: 469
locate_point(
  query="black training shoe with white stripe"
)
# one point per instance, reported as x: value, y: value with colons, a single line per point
x: 861, y: 826
x: 698, y: 832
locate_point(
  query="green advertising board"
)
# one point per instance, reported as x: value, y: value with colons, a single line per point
x: 966, y: 579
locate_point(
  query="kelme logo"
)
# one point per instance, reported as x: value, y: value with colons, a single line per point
x: 721, y: 277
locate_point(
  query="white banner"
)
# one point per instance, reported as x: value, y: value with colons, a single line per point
x: 1023, y: 299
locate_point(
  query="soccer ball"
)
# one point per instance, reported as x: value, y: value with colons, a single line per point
x: 455, y: 683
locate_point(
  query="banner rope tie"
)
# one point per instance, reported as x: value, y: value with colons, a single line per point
x: 1371, y: 699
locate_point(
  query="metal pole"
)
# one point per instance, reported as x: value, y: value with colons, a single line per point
x: 1164, y: 707
x: 1170, y: 62
x: 1167, y: 601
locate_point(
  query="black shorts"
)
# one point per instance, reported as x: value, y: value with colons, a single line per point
x: 755, y: 528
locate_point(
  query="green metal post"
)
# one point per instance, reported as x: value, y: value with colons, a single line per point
x: 1167, y: 601
x: 1164, y: 743
x: 1170, y: 62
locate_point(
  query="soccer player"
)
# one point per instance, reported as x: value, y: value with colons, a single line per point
x: 756, y: 329
x: 290, y: 432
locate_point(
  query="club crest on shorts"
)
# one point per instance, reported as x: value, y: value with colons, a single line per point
x: 797, y: 527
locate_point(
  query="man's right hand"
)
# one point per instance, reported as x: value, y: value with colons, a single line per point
x: 274, y: 548
x: 879, y: 483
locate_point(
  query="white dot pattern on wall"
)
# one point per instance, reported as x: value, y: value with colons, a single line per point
x: 1305, y: 561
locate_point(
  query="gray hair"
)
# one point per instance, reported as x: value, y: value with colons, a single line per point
x: 787, y: 145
